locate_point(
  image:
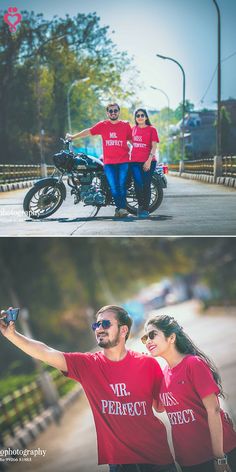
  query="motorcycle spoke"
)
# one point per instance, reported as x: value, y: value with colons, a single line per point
x: 35, y: 204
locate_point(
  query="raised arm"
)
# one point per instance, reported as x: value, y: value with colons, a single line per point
x: 80, y: 134
x: 33, y: 348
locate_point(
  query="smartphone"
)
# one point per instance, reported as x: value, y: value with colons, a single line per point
x: 11, y: 315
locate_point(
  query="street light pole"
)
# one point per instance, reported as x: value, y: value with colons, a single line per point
x: 218, y: 139
x: 183, y: 111
x: 68, y: 100
x: 168, y: 118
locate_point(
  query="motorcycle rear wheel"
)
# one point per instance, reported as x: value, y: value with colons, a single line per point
x: 42, y: 201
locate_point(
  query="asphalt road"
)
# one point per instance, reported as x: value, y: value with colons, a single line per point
x: 71, y: 447
x: 189, y: 208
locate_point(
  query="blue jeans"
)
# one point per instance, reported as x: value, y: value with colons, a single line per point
x: 116, y: 175
x: 142, y: 183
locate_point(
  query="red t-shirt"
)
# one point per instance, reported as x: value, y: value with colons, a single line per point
x: 121, y: 394
x: 114, y: 140
x: 142, y: 139
x: 182, y: 391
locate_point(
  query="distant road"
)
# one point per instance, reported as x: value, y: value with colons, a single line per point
x: 189, y: 208
x: 71, y: 446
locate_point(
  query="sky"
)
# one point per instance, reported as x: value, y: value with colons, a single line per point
x: 185, y: 30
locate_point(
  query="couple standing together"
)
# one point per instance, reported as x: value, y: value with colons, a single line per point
x: 117, y: 136
x: 123, y: 386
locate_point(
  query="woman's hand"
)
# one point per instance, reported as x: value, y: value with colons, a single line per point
x: 147, y: 165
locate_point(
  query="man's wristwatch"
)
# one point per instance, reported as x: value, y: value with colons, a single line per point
x: 221, y: 460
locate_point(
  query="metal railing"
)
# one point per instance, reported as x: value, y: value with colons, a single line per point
x: 21, y: 406
x: 215, y: 166
x: 10, y: 173
x: 201, y: 166
x: 229, y: 166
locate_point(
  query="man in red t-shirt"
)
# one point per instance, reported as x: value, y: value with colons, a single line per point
x: 115, y: 134
x: 120, y: 385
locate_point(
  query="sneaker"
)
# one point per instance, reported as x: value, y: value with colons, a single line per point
x: 144, y: 214
x: 123, y: 213
x: 117, y: 213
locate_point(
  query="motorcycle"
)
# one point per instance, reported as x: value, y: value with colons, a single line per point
x: 88, y: 183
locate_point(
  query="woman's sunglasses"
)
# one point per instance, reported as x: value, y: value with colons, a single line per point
x: 151, y: 335
x: 140, y: 115
x: 105, y: 324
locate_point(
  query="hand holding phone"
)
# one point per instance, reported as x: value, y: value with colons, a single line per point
x: 10, y: 315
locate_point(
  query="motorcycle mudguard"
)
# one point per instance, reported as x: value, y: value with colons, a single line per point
x: 164, y: 181
x: 54, y: 183
x: 161, y: 179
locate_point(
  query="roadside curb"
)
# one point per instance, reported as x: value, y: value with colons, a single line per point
x: 17, y: 185
x: 227, y: 181
x: 24, y: 436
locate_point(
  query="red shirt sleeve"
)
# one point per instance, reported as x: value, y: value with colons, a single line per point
x: 76, y: 365
x: 97, y: 129
x: 201, y: 377
x: 158, y: 377
x: 129, y: 132
x: 154, y: 135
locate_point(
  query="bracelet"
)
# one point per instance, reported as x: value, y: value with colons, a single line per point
x: 221, y: 460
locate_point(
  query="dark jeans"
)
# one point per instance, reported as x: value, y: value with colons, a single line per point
x: 142, y: 183
x: 116, y: 175
x: 209, y: 466
x: 142, y: 468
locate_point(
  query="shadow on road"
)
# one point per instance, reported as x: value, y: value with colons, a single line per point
x: 101, y: 218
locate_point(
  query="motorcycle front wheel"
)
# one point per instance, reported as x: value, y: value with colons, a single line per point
x: 156, y: 196
x: 43, y: 200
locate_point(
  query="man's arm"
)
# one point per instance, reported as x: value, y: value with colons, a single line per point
x: 34, y: 348
x: 80, y: 134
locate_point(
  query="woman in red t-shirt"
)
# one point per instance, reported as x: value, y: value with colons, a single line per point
x: 143, y: 160
x: 202, y: 432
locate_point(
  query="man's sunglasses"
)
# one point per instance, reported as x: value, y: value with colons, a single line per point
x: 105, y: 324
x: 151, y: 335
x: 115, y: 110
x: 140, y: 115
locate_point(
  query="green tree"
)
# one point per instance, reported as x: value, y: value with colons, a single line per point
x: 38, y: 64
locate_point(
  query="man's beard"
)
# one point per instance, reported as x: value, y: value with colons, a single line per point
x: 114, y: 118
x: 107, y: 344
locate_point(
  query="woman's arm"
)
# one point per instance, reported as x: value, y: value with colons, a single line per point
x: 148, y: 162
x: 215, y: 427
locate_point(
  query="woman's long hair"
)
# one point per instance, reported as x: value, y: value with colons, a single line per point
x: 168, y: 325
x: 147, y: 121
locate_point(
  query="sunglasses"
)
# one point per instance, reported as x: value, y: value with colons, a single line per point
x: 140, y: 115
x: 151, y: 335
x: 105, y: 324
x: 115, y: 110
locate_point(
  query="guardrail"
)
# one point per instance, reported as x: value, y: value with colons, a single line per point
x: 10, y: 173
x: 229, y: 166
x: 215, y: 170
x: 23, y: 406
